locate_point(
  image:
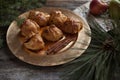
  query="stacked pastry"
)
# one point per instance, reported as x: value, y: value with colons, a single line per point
x: 40, y: 27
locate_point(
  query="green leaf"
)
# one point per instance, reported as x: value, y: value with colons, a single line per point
x: 19, y: 21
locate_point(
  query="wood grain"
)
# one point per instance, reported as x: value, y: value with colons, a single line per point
x: 69, y: 4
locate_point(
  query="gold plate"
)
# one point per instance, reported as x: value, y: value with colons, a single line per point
x: 49, y: 60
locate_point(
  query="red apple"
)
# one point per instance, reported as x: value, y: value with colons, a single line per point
x: 98, y: 7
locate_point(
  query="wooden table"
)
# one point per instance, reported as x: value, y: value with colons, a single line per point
x: 69, y: 4
x: 12, y: 68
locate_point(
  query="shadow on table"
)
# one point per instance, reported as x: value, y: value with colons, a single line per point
x: 6, y: 56
x: 11, y: 68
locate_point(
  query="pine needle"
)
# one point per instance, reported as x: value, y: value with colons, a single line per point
x: 19, y: 21
x: 101, y: 60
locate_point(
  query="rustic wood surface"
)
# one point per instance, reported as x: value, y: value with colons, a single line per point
x: 13, y: 69
x: 69, y: 4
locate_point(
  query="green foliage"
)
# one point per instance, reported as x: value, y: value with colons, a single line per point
x: 10, y: 9
x: 19, y: 21
x: 114, y: 9
x: 101, y: 61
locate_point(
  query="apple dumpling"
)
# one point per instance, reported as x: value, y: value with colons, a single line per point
x: 71, y: 26
x: 40, y: 17
x: 29, y: 28
x: 57, y: 18
x: 35, y: 43
x: 52, y: 33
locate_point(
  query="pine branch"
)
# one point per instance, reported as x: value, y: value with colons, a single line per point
x: 10, y: 9
x: 101, y: 57
x: 19, y: 21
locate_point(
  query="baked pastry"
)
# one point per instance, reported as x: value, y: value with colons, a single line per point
x: 71, y: 26
x: 29, y: 28
x: 57, y: 18
x: 52, y: 33
x: 35, y: 43
x: 39, y: 17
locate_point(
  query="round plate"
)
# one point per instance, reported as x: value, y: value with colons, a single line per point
x: 75, y: 51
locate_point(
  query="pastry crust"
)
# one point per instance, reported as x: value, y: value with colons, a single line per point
x: 51, y: 28
x: 40, y: 17
x: 71, y: 26
x: 29, y: 28
x: 52, y: 33
x: 35, y: 43
x: 57, y: 18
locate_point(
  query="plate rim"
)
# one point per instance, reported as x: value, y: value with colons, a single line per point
x: 85, y: 22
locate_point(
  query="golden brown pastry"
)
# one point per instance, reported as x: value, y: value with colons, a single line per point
x: 29, y: 28
x: 52, y: 33
x: 57, y: 18
x: 35, y: 43
x: 39, y: 17
x: 72, y: 26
